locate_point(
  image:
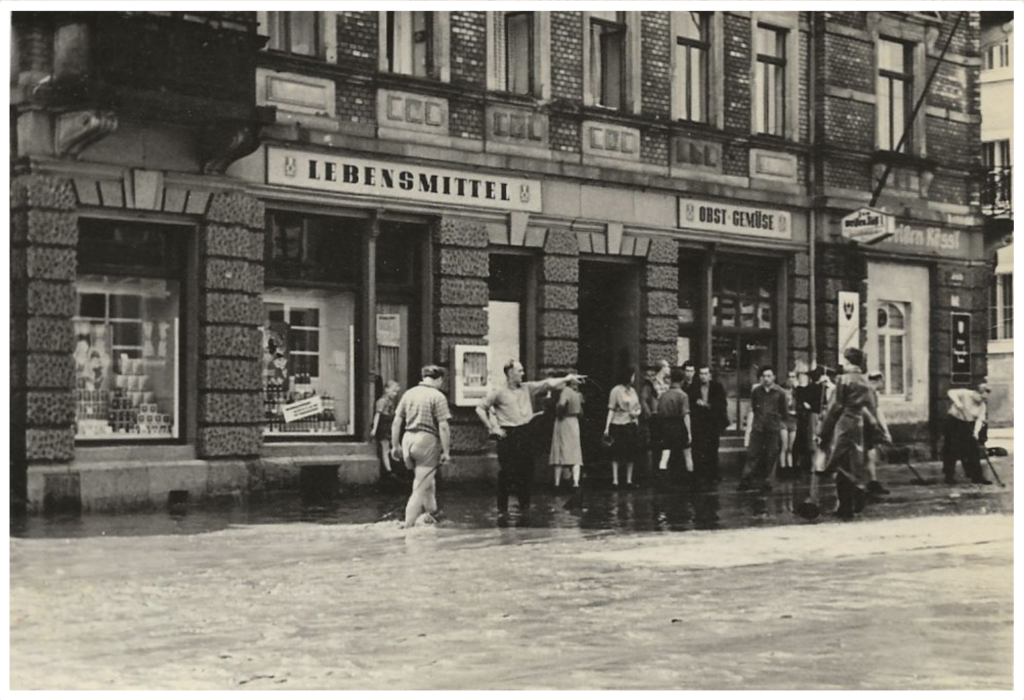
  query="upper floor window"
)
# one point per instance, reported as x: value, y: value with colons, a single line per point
x: 608, y: 58
x: 996, y: 155
x: 410, y: 43
x: 294, y: 32
x: 770, y: 80
x: 895, y: 92
x: 1000, y: 310
x: 692, y: 66
x: 519, y: 52
x: 997, y: 55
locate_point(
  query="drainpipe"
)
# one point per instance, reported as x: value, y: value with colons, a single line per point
x: 812, y: 184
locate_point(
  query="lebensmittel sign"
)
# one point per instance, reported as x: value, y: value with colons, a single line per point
x: 343, y: 174
x: 868, y: 226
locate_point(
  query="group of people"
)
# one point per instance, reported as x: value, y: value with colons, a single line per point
x: 827, y: 426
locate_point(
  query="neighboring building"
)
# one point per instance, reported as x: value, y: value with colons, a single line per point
x: 997, y: 203
x: 206, y: 231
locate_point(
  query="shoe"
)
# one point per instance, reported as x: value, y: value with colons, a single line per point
x: 981, y: 480
x: 860, y: 498
x: 808, y: 510
x: 876, y: 488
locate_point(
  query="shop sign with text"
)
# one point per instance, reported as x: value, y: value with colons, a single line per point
x: 361, y: 176
x: 728, y: 218
x: 868, y: 226
x: 961, y: 348
x: 928, y: 239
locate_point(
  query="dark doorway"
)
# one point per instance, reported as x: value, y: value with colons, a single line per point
x: 609, y: 308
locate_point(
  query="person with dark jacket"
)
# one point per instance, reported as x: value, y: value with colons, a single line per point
x: 764, y: 422
x: 709, y: 418
x: 675, y: 427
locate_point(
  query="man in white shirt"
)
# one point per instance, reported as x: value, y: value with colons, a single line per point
x: 968, y: 412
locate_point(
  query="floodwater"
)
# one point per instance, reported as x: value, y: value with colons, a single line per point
x: 657, y: 506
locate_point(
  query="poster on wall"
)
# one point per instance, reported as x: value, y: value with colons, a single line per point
x: 389, y: 330
x: 961, y: 348
x: 849, y: 321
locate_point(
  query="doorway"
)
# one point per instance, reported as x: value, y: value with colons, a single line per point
x: 609, y: 321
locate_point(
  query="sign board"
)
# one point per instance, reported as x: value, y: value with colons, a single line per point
x: 472, y: 370
x: 849, y: 321
x: 728, y: 218
x: 961, y: 348
x: 868, y: 226
x: 940, y: 240
x: 302, y: 409
x: 363, y: 176
x: 389, y: 330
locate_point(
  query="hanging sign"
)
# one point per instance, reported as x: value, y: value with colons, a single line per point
x: 868, y: 226
x: 849, y: 321
x: 728, y: 218
x: 961, y: 348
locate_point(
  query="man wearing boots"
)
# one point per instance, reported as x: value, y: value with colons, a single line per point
x: 966, y: 418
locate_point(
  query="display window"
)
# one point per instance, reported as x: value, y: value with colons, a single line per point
x: 309, y: 342
x: 127, y: 329
x: 742, y: 333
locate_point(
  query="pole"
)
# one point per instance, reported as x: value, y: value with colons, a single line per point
x: 917, y: 107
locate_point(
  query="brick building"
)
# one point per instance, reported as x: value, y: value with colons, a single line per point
x: 217, y: 216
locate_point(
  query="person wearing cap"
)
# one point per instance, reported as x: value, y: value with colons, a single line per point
x: 426, y: 443
x: 506, y: 412
x: 853, y: 405
x: 875, y: 437
x: 967, y: 414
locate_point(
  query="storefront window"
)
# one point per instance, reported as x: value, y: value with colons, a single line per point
x: 398, y: 302
x: 743, y: 335
x: 127, y: 325
x: 506, y: 311
x: 309, y: 328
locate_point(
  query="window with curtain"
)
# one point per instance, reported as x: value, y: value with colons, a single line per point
x: 893, y: 344
x: 608, y: 58
x: 294, y: 32
x: 894, y: 93
x: 693, y: 48
x: 410, y: 43
x: 770, y: 79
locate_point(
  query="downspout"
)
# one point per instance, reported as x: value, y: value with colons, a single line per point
x: 812, y: 182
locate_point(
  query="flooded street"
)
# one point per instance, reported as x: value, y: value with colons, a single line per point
x: 639, y: 589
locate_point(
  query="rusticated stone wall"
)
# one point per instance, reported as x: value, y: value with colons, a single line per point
x: 230, y: 407
x: 461, y: 267
x: 44, y: 234
x: 558, y: 302
x: 660, y: 286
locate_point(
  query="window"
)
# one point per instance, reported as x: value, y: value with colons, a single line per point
x: 127, y: 324
x: 309, y: 324
x: 770, y: 111
x: 507, y: 318
x: 518, y: 52
x: 608, y: 58
x: 689, y: 301
x: 399, y: 301
x: 893, y: 324
x: 742, y: 331
x: 294, y: 32
x: 997, y: 55
x: 693, y: 53
x: 411, y: 43
x: 1000, y: 326
x: 895, y: 93
x: 996, y: 155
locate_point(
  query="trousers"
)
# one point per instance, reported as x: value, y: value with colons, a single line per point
x: 959, y: 444
x: 515, y: 467
x: 762, y: 453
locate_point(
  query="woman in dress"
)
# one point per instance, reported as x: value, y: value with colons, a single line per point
x: 565, y: 440
x: 621, y: 426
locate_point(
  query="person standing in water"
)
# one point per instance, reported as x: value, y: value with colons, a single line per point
x: 566, y: 450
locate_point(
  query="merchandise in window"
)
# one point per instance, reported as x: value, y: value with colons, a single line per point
x: 895, y: 78
x: 770, y: 47
x: 127, y: 327
x: 608, y: 58
x: 309, y: 329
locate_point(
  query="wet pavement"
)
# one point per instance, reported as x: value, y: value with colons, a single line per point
x: 638, y: 589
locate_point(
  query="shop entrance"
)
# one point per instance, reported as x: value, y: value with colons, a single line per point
x: 609, y: 320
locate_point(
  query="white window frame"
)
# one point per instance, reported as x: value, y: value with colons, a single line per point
x: 440, y: 49
x: 885, y: 336
x: 894, y: 128
x: 714, y: 114
x: 789, y: 22
x: 1004, y: 304
x: 541, y: 59
x: 890, y: 27
x: 327, y: 39
x: 631, y: 67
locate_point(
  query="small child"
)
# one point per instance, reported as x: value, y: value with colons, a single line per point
x: 383, y: 417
